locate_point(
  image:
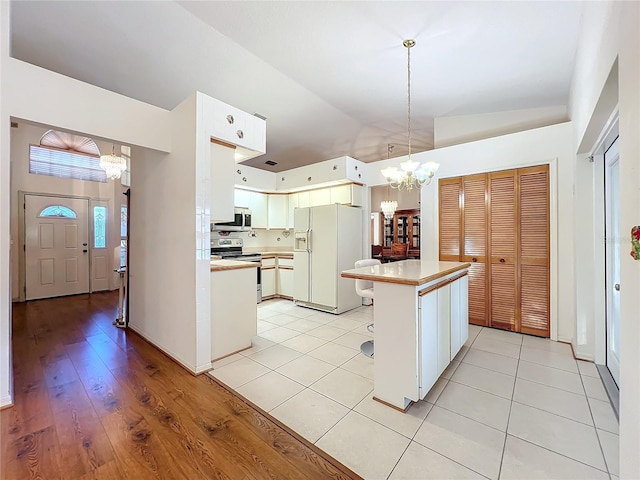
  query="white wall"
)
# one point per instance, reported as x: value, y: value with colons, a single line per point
x: 469, y: 128
x: 22, y: 180
x: 25, y: 93
x: 162, y: 278
x: 548, y: 145
x: 611, y: 31
x: 6, y: 380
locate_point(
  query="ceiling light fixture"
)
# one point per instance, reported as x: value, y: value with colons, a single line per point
x: 388, y: 207
x: 112, y: 164
x: 411, y: 174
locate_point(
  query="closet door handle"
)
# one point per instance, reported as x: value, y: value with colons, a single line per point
x: 502, y: 260
x: 617, y: 287
x: 474, y: 259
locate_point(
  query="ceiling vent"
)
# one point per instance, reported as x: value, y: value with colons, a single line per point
x: 271, y: 163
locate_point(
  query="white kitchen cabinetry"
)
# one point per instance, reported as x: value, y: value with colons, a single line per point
x: 303, y: 199
x: 222, y: 175
x: 233, y: 310
x: 285, y: 282
x: 418, y: 314
x: 257, y: 203
x: 292, y: 205
x: 241, y: 198
x: 443, y: 327
x: 259, y: 209
x: 285, y: 276
x: 277, y: 210
x: 321, y: 196
x: 268, y: 282
x: 234, y: 126
x: 459, y: 317
x: 350, y: 194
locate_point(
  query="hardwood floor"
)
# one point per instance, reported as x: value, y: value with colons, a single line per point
x: 93, y: 401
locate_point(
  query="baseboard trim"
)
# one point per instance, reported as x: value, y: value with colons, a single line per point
x: 611, y: 388
x: 190, y: 368
x: 5, y: 402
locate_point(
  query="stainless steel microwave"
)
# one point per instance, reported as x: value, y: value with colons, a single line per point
x: 241, y: 221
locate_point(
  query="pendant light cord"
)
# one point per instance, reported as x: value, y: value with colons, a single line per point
x: 409, y: 45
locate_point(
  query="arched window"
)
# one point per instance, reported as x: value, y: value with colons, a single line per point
x: 65, y: 155
x: 58, y: 211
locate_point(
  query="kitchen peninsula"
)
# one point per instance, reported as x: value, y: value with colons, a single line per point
x: 420, y: 313
x: 233, y: 306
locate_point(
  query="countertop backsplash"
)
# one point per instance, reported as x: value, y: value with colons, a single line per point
x: 276, y: 240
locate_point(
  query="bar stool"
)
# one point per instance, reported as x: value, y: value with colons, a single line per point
x: 364, y: 288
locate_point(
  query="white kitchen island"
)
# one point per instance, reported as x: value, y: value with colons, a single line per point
x: 420, y: 314
x: 233, y: 306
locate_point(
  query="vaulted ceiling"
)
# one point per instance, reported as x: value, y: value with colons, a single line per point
x: 331, y: 77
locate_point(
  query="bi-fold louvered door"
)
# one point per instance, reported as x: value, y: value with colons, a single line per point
x: 499, y: 223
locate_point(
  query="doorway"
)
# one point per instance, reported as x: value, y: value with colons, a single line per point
x: 56, y: 246
x: 612, y: 259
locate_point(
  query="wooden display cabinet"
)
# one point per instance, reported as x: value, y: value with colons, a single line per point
x: 404, y: 227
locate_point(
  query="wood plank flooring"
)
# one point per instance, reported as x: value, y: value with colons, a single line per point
x: 96, y: 402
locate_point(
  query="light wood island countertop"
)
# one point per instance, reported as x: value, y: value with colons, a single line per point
x: 406, y: 272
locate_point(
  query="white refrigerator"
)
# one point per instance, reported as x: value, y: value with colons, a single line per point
x: 327, y: 240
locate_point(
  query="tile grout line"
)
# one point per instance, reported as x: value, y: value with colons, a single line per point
x: 506, y: 432
x: 604, y: 457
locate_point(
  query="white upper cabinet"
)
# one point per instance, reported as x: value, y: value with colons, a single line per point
x: 222, y: 174
x: 293, y: 204
x: 303, y: 199
x: 241, y: 198
x: 259, y: 209
x: 239, y: 128
x: 322, y: 196
x: 277, y: 210
x: 347, y: 195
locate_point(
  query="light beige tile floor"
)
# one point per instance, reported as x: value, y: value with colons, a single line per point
x: 509, y: 406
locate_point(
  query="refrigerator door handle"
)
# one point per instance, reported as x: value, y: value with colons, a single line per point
x: 309, y: 236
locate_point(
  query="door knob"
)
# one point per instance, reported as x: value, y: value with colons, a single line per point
x: 84, y: 251
x: 502, y: 260
x: 617, y: 287
x: 84, y: 244
x: 474, y: 259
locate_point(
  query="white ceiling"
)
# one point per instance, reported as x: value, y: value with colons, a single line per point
x: 329, y: 76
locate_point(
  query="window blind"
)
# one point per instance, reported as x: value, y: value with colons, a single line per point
x: 65, y: 164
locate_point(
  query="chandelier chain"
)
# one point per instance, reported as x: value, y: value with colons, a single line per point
x: 409, y: 45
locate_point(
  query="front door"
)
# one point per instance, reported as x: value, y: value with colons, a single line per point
x: 56, y: 246
x: 612, y: 259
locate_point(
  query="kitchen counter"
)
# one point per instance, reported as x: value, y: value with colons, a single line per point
x: 219, y: 265
x: 420, y: 314
x: 407, y: 272
x: 234, y: 316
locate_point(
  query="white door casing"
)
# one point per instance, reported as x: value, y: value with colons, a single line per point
x: 612, y: 259
x: 56, y: 246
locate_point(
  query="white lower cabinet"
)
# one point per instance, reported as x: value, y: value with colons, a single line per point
x: 428, y: 342
x: 268, y: 281
x: 285, y: 281
x: 443, y: 329
x: 459, y: 317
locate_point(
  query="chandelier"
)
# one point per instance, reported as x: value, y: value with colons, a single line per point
x: 411, y: 174
x: 112, y: 164
x: 388, y: 207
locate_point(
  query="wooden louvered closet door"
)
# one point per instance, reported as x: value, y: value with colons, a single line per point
x: 449, y: 215
x: 534, y: 250
x: 474, y: 244
x: 502, y: 247
x: 499, y: 223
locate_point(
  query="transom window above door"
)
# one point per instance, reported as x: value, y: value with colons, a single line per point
x: 57, y: 211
